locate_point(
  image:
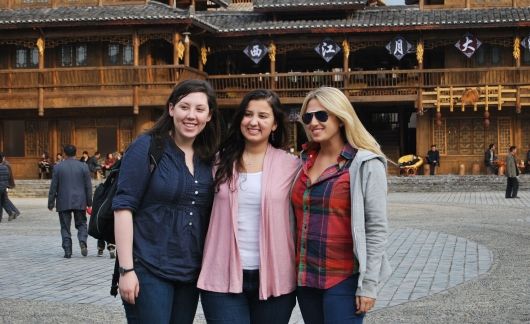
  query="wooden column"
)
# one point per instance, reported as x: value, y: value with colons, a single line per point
x: 346, y: 65
x: 41, y: 46
x: 136, y: 59
x: 187, y: 48
x: 272, y: 58
x: 468, y: 3
x: 517, y: 57
x: 514, y: 3
x: 420, y: 49
x: 421, y: 4
x: 176, y: 42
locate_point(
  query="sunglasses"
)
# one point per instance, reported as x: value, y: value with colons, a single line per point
x: 321, y: 116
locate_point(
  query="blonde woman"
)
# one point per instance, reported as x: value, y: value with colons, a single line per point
x: 339, y: 200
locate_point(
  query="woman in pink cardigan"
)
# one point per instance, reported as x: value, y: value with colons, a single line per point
x: 248, y: 270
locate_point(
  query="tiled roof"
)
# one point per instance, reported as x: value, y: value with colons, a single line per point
x: 374, y: 19
x: 278, y: 4
x: 71, y: 15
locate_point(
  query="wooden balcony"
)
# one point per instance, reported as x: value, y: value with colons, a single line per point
x: 91, y: 86
x: 150, y: 86
x: 385, y: 85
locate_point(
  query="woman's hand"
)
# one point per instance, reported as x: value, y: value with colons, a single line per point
x: 129, y: 287
x: 363, y: 304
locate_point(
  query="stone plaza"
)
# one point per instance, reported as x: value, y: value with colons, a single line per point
x: 458, y: 257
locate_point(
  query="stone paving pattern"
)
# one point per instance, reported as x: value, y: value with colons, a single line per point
x: 431, y: 255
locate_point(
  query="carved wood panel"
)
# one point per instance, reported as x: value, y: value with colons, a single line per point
x: 37, y: 137
x: 505, y: 134
x: 439, y: 137
x: 86, y: 140
x: 525, y: 135
x: 469, y: 136
x: 64, y: 133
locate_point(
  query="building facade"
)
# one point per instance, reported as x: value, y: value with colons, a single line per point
x: 96, y: 73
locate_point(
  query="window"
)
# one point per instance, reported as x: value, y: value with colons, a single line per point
x: 488, y: 55
x: 27, y: 58
x: 74, y: 55
x: 14, y: 138
x: 118, y: 54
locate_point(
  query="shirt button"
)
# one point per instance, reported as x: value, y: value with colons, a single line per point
x: 191, y: 213
x: 196, y: 181
x: 193, y: 202
x: 196, y: 192
x: 190, y: 223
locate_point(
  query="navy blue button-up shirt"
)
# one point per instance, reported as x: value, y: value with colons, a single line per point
x: 172, y: 217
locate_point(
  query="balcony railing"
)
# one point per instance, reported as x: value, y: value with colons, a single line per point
x: 369, y: 83
x: 295, y: 85
x: 96, y: 78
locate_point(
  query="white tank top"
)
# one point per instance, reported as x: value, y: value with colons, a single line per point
x: 249, y: 200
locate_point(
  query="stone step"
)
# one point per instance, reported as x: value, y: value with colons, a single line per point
x: 441, y: 183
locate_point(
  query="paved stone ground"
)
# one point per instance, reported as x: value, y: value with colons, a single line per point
x: 458, y: 258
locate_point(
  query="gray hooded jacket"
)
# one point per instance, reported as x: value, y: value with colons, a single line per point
x: 368, y: 190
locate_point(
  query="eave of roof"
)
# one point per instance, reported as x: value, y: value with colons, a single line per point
x: 88, y: 15
x: 278, y: 4
x: 370, y: 19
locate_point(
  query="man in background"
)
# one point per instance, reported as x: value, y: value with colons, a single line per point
x: 433, y: 158
x: 8, y: 205
x: 71, y: 193
x: 512, y: 171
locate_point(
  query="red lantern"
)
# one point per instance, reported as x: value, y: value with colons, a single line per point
x: 438, y: 122
x: 438, y: 115
x: 486, y: 114
x: 486, y: 123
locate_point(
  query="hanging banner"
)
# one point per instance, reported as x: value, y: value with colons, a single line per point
x: 399, y: 47
x: 327, y: 49
x: 468, y: 45
x: 526, y: 43
x: 256, y: 51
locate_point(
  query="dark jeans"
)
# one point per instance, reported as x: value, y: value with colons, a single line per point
x: 65, y: 218
x: 162, y: 301
x: 246, y: 308
x: 335, y: 305
x: 512, y: 186
x: 432, y: 168
x: 3, y: 195
x: 9, y: 207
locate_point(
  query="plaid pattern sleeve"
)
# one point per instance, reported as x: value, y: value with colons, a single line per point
x: 324, y: 254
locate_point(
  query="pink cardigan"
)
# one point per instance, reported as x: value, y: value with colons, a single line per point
x: 221, y: 266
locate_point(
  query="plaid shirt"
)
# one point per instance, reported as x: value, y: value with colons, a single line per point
x: 324, y: 252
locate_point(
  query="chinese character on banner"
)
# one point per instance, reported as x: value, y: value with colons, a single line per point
x: 256, y: 51
x: 468, y: 45
x: 327, y: 49
x: 526, y: 43
x: 398, y: 47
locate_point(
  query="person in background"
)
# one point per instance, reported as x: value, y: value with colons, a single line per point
x: 160, y: 248
x: 527, y: 162
x: 108, y: 163
x: 71, y: 193
x: 248, y: 274
x: 512, y: 171
x: 10, y: 208
x: 94, y: 166
x: 45, y: 166
x: 489, y: 159
x: 433, y: 158
x: 339, y: 199
x: 84, y: 157
x: 58, y: 159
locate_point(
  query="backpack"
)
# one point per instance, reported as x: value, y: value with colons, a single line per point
x: 101, y: 223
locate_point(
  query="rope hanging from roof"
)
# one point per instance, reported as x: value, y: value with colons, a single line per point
x: 346, y: 48
x: 517, y: 48
x: 272, y: 52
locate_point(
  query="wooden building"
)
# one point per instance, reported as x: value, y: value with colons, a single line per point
x: 96, y: 73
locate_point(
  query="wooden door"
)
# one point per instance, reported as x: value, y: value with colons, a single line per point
x: 86, y: 140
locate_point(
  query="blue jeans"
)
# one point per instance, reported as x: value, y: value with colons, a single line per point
x: 246, y: 308
x: 65, y: 218
x: 162, y: 301
x: 335, y: 305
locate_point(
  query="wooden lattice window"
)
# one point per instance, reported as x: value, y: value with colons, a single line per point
x: 525, y: 135
x: 469, y: 137
x: 504, y: 131
x: 439, y: 137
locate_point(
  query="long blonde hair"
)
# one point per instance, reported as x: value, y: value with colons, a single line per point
x: 338, y: 104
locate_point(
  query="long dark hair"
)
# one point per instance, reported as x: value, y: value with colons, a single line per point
x: 207, y: 142
x: 233, y: 146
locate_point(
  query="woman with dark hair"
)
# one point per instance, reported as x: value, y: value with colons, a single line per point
x: 160, y: 248
x: 248, y: 273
